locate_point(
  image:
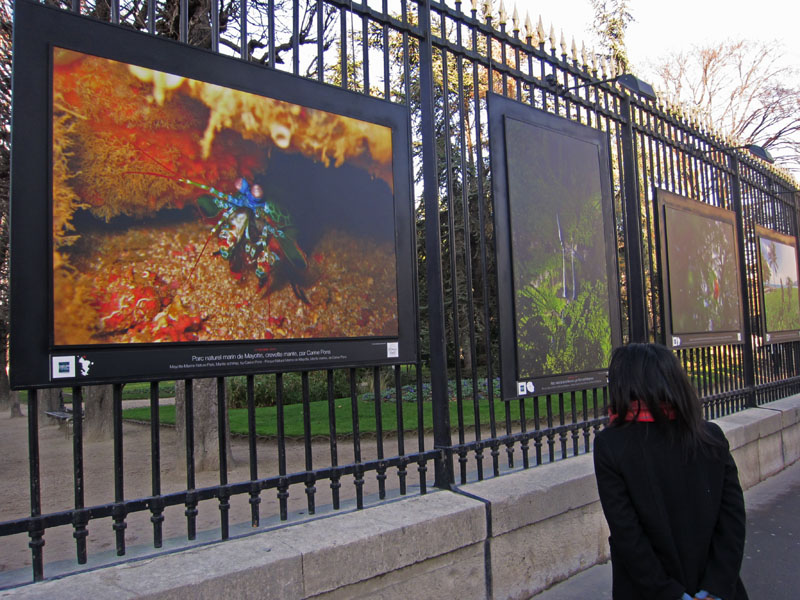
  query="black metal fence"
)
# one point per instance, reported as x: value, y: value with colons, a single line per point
x: 446, y: 423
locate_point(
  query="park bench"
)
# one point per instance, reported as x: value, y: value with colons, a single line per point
x: 64, y: 417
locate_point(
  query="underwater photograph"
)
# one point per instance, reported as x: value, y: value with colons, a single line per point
x: 186, y: 211
x: 779, y: 279
x: 561, y: 288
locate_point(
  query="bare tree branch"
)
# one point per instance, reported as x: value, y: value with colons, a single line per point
x: 746, y: 88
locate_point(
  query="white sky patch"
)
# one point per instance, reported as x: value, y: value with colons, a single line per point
x: 662, y: 28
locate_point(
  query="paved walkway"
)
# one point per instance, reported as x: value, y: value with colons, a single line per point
x: 146, y: 402
x: 770, y: 568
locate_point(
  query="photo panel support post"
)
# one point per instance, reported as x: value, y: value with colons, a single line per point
x: 637, y: 305
x: 747, y: 328
x: 444, y: 474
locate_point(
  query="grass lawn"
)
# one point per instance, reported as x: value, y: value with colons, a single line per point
x: 134, y: 391
x: 782, y: 309
x: 266, y: 417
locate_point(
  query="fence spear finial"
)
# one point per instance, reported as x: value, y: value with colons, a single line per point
x: 540, y: 31
x: 552, y: 38
x: 515, y: 20
x: 529, y: 31
x: 503, y: 16
x: 475, y: 6
x: 487, y: 10
x: 563, y: 44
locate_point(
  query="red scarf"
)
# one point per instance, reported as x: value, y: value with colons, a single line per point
x: 639, y: 412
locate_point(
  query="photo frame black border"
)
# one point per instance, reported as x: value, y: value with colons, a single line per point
x: 511, y: 385
x: 788, y: 335
x: 33, y: 358
x: 672, y: 339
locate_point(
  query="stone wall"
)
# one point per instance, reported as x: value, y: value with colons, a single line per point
x: 507, y: 537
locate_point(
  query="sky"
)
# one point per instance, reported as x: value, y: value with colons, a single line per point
x: 660, y: 28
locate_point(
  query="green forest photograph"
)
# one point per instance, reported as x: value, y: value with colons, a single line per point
x: 561, y: 288
x: 779, y: 281
x: 703, y: 270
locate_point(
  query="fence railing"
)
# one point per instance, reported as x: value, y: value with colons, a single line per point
x: 437, y: 422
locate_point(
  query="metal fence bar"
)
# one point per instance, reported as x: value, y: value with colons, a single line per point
x: 401, y: 443
x: 81, y: 516
x: 191, y: 495
x: 376, y: 395
x: 358, y: 480
x: 310, y: 489
x: 283, y: 485
x: 119, y: 511
x: 335, y: 483
x: 35, y: 526
x: 255, y: 489
x: 222, y: 438
x: 156, y: 504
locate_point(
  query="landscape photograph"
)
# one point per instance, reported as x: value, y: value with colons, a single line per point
x: 779, y: 275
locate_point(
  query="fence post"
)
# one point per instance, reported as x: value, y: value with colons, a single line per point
x: 433, y: 255
x: 35, y: 527
x: 637, y: 307
x: 749, y: 362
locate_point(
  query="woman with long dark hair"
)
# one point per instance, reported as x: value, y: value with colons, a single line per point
x: 668, y: 485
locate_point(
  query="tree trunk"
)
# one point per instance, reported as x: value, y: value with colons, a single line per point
x: 5, y: 390
x: 16, y: 406
x: 9, y: 400
x: 466, y: 354
x: 48, y: 400
x: 98, y: 423
x: 206, y: 436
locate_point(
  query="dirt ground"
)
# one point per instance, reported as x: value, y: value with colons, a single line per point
x: 57, y: 488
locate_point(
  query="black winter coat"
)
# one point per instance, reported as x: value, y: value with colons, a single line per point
x: 677, y: 525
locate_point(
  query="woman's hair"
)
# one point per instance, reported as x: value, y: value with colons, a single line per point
x: 652, y: 375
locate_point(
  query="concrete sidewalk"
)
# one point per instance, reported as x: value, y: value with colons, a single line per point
x: 770, y: 567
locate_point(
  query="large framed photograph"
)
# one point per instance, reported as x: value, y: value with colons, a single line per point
x: 699, y: 272
x: 178, y: 213
x: 780, y: 305
x: 556, y: 258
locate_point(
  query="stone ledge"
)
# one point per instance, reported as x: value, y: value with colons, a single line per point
x: 789, y: 409
x: 528, y: 497
x: 763, y: 440
x: 294, y: 562
x: 460, y: 574
x: 532, y: 558
x: 241, y: 568
x: 383, y: 538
